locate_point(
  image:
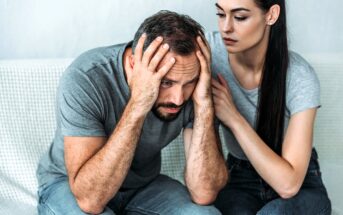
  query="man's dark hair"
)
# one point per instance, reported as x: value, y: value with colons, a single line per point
x: 179, y: 31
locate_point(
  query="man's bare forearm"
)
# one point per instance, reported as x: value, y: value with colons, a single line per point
x: 206, y: 172
x: 99, y: 179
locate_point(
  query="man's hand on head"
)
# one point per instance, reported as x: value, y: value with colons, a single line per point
x: 202, y: 93
x: 145, y: 78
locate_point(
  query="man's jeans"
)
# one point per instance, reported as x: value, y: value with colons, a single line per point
x: 162, y: 196
x: 247, y: 193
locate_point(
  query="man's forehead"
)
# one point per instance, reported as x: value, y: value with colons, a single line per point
x: 188, y: 64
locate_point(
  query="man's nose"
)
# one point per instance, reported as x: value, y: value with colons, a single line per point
x: 177, y: 96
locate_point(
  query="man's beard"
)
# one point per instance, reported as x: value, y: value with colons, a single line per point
x: 169, y: 116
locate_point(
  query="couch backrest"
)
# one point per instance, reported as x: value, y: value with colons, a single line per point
x: 27, y: 123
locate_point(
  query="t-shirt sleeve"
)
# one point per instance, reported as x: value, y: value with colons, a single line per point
x: 303, y: 90
x: 79, y: 106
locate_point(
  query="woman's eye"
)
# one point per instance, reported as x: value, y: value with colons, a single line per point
x: 240, y: 18
x: 220, y: 15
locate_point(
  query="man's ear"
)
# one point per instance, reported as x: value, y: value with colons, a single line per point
x: 273, y: 14
x: 131, y: 61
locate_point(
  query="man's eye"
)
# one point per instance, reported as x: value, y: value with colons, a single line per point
x: 166, y: 83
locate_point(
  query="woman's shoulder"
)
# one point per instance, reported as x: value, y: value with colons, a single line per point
x: 300, y: 68
x: 212, y: 35
x: 303, y: 87
x: 297, y: 63
x: 217, y: 46
x: 214, y: 39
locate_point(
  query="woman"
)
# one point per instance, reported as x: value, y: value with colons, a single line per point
x: 266, y: 99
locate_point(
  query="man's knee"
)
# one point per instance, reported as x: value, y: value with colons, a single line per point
x: 58, y: 199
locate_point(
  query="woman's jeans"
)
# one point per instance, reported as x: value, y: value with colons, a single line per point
x: 248, y: 193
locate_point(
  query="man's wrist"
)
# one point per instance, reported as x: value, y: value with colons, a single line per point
x: 137, y: 109
x: 204, y: 105
x: 204, y: 110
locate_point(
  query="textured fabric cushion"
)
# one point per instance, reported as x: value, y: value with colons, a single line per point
x: 27, y: 94
x: 328, y: 135
x: 27, y: 123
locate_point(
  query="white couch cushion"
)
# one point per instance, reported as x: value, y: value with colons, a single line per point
x: 27, y: 91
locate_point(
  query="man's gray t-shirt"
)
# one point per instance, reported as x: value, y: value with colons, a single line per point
x: 302, y: 90
x: 91, y: 98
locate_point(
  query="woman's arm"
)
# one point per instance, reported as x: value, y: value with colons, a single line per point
x: 285, y: 173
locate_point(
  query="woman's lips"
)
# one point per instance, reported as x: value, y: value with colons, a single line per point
x: 229, y: 41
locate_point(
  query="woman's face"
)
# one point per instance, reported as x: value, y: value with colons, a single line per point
x: 242, y: 24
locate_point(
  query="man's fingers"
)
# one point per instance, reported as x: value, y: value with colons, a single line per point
x: 139, y: 48
x: 166, y: 67
x: 150, y: 51
x: 157, y: 58
x: 204, y: 48
x: 204, y: 40
x: 203, y: 62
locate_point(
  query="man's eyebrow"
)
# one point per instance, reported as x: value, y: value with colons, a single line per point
x: 173, y: 81
x: 169, y: 80
x: 193, y: 80
x: 233, y: 10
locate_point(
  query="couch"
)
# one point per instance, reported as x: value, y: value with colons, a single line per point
x: 27, y: 123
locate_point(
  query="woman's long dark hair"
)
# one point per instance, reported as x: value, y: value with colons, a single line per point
x: 272, y: 93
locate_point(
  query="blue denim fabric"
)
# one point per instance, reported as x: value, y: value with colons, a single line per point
x: 162, y: 196
x: 247, y: 193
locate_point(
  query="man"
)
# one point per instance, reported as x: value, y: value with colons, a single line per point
x: 118, y: 106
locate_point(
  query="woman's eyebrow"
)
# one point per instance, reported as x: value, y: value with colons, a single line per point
x: 233, y: 10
